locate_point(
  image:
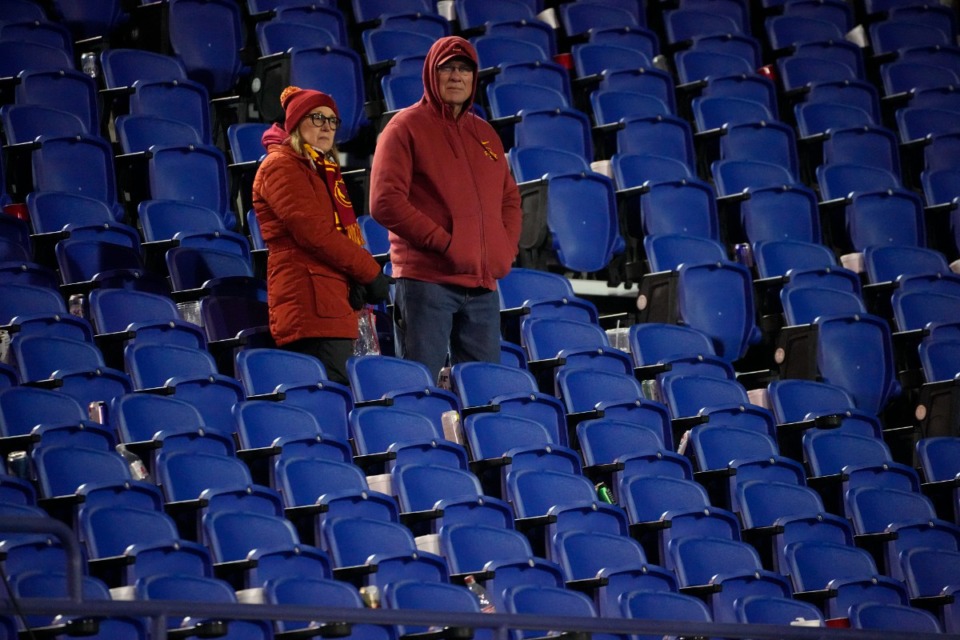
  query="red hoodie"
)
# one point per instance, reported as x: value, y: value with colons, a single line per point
x: 442, y: 187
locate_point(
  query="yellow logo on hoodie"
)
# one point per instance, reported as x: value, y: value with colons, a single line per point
x: 488, y: 151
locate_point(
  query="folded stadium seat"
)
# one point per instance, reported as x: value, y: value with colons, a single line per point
x: 278, y: 35
x: 903, y: 75
x: 148, y: 424
x: 643, y: 39
x: 593, y: 58
x: 938, y: 98
x: 49, y: 33
x: 682, y: 25
x: 367, y: 11
x: 663, y: 349
x: 124, y: 316
x: 30, y: 416
x: 311, y: 591
x: 936, y: 55
x: 19, y: 55
x: 195, y: 271
x: 547, y: 602
x: 732, y: 565
x: 568, y: 203
x: 734, y: 177
x: 611, y: 106
x: 838, y: 13
x: 385, y: 43
x: 609, y: 462
x: 578, y: 18
x: 799, y: 405
x: 649, y: 605
x: 916, y: 123
x: 53, y: 585
x: 498, y: 558
x: 849, y: 571
x: 929, y: 581
x: 789, y: 30
x: 336, y: 70
x: 475, y: 16
x: 938, y: 468
x: 776, y: 610
x: 499, y: 444
x: 900, y: 520
x: 23, y: 10
x: 506, y: 99
x: 533, y: 293
x: 196, y: 485
x: 648, y: 81
x: 887, y: 617
x: 23, y: 123
x: 854, y: 93
x: 431, y: 497
x: 650, y: 513
x: 182, y: 100
x: 558, y: 343
x: 374, y: 552
x: 298, y: 380
x: 317, y: 489
x: 892, y: 34
x: 547, y: 502
x: 90, y: 20
x: 728, y: 455
x: 201, y: 589
x: 888, y: 263
x: 269, y: 433
x: 168, y: 168
x: 126, y: 544
x: 212, y: 60
x: 635, y: 169
x: 840, y: 469
x: 496, y: 51
x: 776, y: 514
x: 403, y: 384
x: 389, y: 436
x: 798, y: 71
x: 66, y: 89
x: 80, y: 164
x: 666, y: 136
x: 65, y: 482
x: 608, y: 566
x: 535, y: 162
x: 819, y: 118
x: 589, y: 393
x: 431, y: 596
x: 189, y: 374
x: 528, y: 30
x: 431, y: 24
x: 766, y: 140
x: 73, y: 367
x: 316, y: 15
x: 699, y: 65
x: 668, y: 251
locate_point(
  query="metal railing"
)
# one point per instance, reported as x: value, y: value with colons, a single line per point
x: 160, y: 612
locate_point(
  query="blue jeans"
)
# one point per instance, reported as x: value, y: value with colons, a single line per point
x: 431, y: 320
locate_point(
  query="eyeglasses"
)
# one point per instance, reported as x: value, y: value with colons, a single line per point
x: 462, y: 69
x: 318, y: 120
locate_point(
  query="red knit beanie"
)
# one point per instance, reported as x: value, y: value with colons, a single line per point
x: 297, y: 103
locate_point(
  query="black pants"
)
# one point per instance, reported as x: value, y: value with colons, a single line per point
x: 332, y: 352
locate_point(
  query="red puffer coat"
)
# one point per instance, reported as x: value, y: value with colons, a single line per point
x: 310, y: 263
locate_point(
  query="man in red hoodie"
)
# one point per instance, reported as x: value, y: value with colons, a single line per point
x: 441, y: 185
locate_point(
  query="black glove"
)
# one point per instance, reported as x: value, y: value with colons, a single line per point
x: 356, y: 296
x: 378, y: 290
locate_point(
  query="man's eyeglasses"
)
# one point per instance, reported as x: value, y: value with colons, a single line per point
x: 462, y: 69
x: 318, y: 120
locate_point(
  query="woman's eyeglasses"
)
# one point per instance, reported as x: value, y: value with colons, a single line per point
x: 318, y: 120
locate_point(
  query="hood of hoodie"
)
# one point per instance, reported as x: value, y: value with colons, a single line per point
x: 442, y: 50
x: 273, y: 135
